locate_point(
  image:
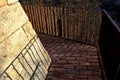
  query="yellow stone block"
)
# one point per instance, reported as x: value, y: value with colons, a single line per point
x: 11, y: 47
x: 2, y: 3
x: 12, y: 1
x: 11, y: 18
x: 29, y: 30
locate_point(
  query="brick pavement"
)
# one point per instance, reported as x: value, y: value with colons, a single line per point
x: 71, y: 60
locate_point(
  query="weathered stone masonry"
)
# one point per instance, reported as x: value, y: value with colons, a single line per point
x: 15, y: 34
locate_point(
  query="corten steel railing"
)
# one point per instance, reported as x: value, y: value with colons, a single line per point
x: 109, y: 44
x: 80, y: 24
x: 29, y: 61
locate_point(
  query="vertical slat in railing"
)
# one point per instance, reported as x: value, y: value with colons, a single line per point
x: 52, y: 25
x: 61, y: 21
x: 36, y: 20
x: 39, y: 18
x: 79, y: 28
x: 45, y: 21
x: 70, y: 19
x: 70, y: 22
x: 92, y: 29
x: 96, y: 21
x: 49, y: 9
x: 55, y: 20
x: 65, y: 23
x: 58, y: 18
x: 82, y: 26
x: 58, y: 21
x: 45, y: 11
x: 66, y: 19
x: 51, y: 19
x: 84, y: 16
x: 32, y: 16
x: 87, y: 25
x: 87, y: 29
x: 49, y: 23
x: 46, y: 17
x: 42, y: 20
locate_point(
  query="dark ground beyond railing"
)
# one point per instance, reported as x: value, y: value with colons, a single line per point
x: 109, y: 44
x: 78, y: 24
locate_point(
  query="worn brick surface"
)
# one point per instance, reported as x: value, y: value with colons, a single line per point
x: 71, y: 60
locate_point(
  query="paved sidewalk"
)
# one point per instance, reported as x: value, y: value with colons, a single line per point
x: 71, y: 60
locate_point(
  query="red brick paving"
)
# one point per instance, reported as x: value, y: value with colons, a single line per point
x: 71, y: 60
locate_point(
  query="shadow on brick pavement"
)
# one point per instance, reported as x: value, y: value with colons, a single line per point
x: 71, y: 60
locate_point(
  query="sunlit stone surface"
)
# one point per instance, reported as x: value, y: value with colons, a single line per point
x: 11, y: 18
x: 11, y: 1
x: 17, y: 39
x: 3, y: 2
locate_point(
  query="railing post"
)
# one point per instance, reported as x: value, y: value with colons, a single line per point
x: 109, y: 44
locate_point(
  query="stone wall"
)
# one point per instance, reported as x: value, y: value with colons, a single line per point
x: 16, y: 33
